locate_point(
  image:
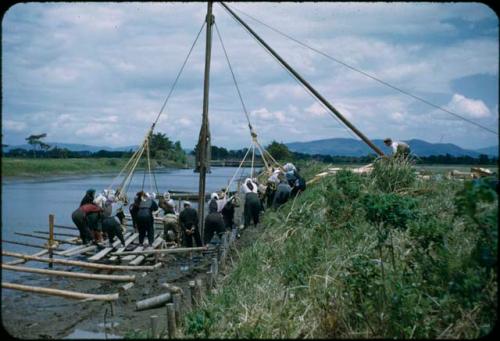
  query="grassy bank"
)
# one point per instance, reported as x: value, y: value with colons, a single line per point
x: 14, y: 167
x: 384, y: 255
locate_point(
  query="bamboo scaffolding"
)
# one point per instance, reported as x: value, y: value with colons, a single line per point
x: 97, y: 277
x: 173, y: 250
x: 82, y: 264
x: 62, y: 293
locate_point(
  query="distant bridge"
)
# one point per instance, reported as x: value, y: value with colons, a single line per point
x: 235, y: 163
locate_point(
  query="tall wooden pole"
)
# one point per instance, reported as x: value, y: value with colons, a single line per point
x: 305, y: 83
x: 204, y: 125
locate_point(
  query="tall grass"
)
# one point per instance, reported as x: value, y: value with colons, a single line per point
x: 361, y: 257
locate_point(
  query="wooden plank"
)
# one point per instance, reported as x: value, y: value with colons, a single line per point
x: 97, y: 277
x: 172, y: 250
x: 71, y: 249
x: 101, y: 254
x: 80, y: 263
x: 62, y: 293
x: 127, y: 243
x: 128, y: 258
x: 139, y: 259
x: 79, y: 251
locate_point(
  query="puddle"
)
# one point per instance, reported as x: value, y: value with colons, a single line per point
x: 83, y: 334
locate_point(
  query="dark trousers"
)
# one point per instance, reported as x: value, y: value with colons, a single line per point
x: 188, y: 239
x: 112, y: 228
x: 252, y: 209
x: 145, y: 225
x: 79, y: 220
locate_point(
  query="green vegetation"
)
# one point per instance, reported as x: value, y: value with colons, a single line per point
x: 43, y: 167
x: 384, y: 255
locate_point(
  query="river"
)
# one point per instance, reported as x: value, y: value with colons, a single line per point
x: 26, y: 203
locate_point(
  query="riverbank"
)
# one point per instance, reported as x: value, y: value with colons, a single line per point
x: 34, y: 168
x: 384, y: 256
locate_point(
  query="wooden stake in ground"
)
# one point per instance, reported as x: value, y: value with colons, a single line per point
x: 51, y: 238
x: 62, y: 293
x: 172, y: 327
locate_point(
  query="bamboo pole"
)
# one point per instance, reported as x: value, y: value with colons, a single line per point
x: 83, y: 264
x: 153, y: 302
x: 97, y: 277
x: 138, y: 260
x: 172, y: 250
x: 126, y: 286
x: 51, y: 239
x: 176, y: 300
x: 40, y: 237
x: 62, y: 293
x: 172, y: 288
x: 21, y: 261
x: 24, y: 244
x: 58, y: 234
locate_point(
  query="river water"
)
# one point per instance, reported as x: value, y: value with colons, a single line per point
x: 26, y: 204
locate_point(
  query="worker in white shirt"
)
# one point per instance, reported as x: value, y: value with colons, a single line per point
x: 399, y: 149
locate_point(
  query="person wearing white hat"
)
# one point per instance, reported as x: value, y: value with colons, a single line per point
x: 188, y: 221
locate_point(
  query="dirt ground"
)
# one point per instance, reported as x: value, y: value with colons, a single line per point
x: 34, y: 316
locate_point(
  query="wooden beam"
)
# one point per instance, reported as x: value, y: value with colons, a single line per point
x: 101, y: 254
x: 138, y: 260
x: 82, y: 264
x: 62, y: 293
x: 40, y: 237
x: 58, y: 234
x: 24, y: 244
x: 172, y: 250
x: 127, y: 243
x: 24, y: 260
x: 80, y: 251
x: 97, y: 277
x: 153, y: 302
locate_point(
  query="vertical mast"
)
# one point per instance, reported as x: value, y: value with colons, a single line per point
x: 204, y: 133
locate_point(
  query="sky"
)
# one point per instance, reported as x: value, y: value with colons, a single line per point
x: 98, y: 73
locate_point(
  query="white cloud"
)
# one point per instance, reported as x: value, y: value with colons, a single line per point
x: 397, y: 116
x: 316, y: 109
x: 470, y: 107
x: 266, y: 115
x: 14, y: 125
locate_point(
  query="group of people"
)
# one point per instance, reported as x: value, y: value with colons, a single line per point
x: 102, y: 217
x: 99, y: 217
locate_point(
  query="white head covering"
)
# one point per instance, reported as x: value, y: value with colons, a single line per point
x: 186, y: 203
x: 166, y: 195
x: 214, y: 196
x: 289, y: 167
x: 100, y: 200
x: 171, y: 202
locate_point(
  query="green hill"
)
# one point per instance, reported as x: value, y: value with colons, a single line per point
x: 385, y: 255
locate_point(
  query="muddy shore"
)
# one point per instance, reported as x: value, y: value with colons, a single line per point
x: 34, y: 316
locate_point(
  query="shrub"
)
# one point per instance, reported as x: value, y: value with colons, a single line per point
x: 393, y: 174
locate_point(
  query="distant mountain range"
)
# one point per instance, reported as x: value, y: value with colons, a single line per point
x: 334, y: 146
x: 352, y: 147
x: 74, y: 147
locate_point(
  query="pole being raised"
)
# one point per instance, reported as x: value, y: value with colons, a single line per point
x: 204, y: 133
x: 305, y: 83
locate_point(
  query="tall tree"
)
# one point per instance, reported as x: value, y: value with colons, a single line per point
x: 279, y: 151
x: 36, y: 140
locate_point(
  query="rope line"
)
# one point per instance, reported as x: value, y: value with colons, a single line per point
x: 368, y: 75
x: 179, y: 74
x: 239, y: 167
x: 293, y: 77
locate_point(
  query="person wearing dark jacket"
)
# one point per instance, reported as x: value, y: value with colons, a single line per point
x: 213, y: 224
x: 188, y: 220
x: 282, y: 194
x: 88, y: 198
x: 92, y: 214
x: 78, y: 217
x: 112, y: 225
x: 145, y: 220
x: 134, y: 208
x: 228, y: 214
x: 253, y: 206
x: 299, y: 184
